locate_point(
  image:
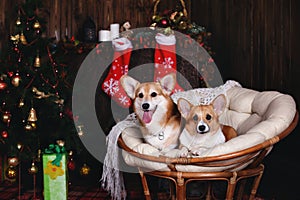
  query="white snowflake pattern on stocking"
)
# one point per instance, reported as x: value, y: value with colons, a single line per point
x: 111, y: 86
x: 124, y: 99
x: 168, y: 63
x: 125, y: 69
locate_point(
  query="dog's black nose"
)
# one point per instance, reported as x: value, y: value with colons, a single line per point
x: 201, y: 128
x: 145, y: 106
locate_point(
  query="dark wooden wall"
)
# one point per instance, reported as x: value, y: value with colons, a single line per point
x: 256, y: 42
x: 71, y: 14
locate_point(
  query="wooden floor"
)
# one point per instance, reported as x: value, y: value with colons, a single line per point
x: 159, y: 191
x: 282, y: 168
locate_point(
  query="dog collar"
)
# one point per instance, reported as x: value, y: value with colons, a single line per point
x: 159, y: 134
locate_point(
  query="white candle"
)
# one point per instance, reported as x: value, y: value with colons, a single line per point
x: 114, y: 31
x: 56, y: 35
x: 104, y: 35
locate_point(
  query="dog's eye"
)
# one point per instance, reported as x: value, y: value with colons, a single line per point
x: 153, y: 94
x: 195, y: 117
x: 208, y: 117
x: 141, y: 95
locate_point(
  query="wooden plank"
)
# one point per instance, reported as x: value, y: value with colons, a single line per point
x: 255, y: 41
x: 108, y: 14
x: 3, y: 32
x: 63, y: 18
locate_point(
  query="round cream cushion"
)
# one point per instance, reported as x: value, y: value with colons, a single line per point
x: 256, y: 116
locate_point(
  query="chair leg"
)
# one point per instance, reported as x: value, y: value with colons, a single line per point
x: 209, y: 191
x: 180, y: 187
x: 231, y: 186
x: 256, y: 184
x: 145, y: 186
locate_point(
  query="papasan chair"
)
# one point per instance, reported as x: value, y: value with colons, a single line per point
x: 261, y: 119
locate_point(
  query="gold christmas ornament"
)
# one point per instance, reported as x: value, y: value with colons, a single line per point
x: 18, y: 21
x: 59, y: 101
x: 37, y: 61
x: 39, y: 155
x: 70, y: 153
x: 33, y: 169
x: 21, y: 103
x: 32, y: 115
x: 60, y: 143
x: 80, y: 132
x: 19, y: 146
x: 15, y: 39
x: 36, y: 24
x: 183, y: 25
x: 33, y: 125
x: 6, y: 117
x: 40, y: 94
x: 11, y: 172
x: 85, y: 170
x: 28, y: 127
x: 16, y: 79
x: 23, y: 39
x: 13, y: 161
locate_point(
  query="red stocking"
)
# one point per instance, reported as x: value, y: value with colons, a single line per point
x: 165, y: 58
x: 119, y: 67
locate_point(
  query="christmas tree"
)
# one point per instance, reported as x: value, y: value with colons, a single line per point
x: 35, y: 89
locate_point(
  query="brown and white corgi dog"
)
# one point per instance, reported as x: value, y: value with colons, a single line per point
x: 157, y: 113
x: 202, y: 129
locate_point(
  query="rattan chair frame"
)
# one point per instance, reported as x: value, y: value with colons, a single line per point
x: 252, y: 157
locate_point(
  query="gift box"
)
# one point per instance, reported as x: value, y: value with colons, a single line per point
x: 55, y: 173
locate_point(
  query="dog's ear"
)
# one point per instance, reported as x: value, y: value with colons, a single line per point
x: 184, y: 107
x: 168, y: 83
x: 219, y: 104
x: 129, y: 84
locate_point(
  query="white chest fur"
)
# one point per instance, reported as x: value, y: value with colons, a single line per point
x: 201, y: 141
x: 163, y: 139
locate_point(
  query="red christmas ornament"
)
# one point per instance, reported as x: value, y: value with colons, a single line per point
x: 4, y: 134
x: 3, y: 85
x: 16, y: 79
x: 10, y: 74
x: 71, y: 165
x: 164, y: 22
x: 13, y: 161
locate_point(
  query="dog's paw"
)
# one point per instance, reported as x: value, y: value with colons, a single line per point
x: 184, y: 152
x: 184, y: 155
x: 198, y: 152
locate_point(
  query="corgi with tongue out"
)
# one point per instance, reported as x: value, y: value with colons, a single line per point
x: 157, y: 113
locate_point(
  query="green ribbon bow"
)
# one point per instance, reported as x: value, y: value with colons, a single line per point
x: 58, y: 150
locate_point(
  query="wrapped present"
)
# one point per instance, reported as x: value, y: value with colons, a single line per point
x: 55, y: 173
